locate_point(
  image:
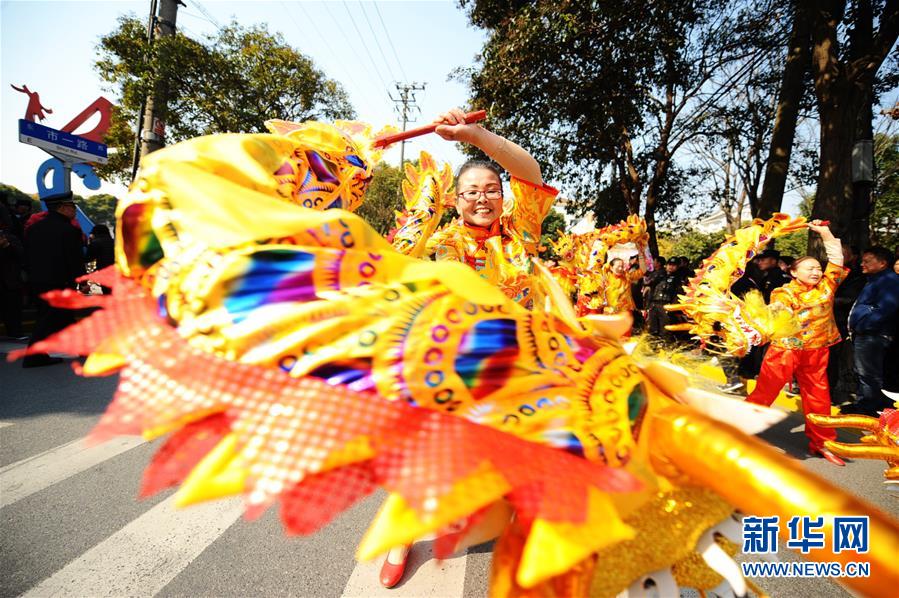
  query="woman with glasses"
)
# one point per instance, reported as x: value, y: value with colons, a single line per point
x: 485, y: 212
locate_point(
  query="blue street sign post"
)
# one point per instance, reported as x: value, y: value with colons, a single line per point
x: 67, y: 148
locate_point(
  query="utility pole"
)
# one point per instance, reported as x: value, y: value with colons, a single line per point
x: 151, y: 34
x: 404, y: 106
x: 152, y: 130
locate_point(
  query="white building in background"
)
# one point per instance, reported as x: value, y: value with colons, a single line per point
x: 714, y: 222
x: 717, y: 221
x: 584, y: 225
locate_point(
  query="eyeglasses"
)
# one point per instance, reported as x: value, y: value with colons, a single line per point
x: 474, y: 194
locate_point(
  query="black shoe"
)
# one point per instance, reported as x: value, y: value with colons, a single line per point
x: 37, y: 361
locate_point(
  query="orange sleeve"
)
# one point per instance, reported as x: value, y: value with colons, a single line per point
x: 531, y: 204
x: 834, y: 274
x: 782, y: 296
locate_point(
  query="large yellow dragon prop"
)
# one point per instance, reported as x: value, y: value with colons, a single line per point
x: 293, y: 355
x: 723, y: 321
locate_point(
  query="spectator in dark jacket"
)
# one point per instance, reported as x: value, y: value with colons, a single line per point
x: 12, y: 255
x: 100, y: 247
x: 55, y: 259
x: 658, y: 269
x: 664, y: 289
x: 101, y: 250
x: 774, y: 277
x: 872, y: 326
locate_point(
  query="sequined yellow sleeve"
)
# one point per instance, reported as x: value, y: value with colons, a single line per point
x: 531, y: 204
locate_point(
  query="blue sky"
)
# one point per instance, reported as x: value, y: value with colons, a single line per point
x: 51, y: 47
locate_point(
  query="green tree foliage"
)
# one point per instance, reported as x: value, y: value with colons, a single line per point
x: 9, y: 195
x: 885, y: 216
x: 604, y: 94
x: 99, y: 208
x: 553, y: 226
x: 231, y: 81
x: 693, y: 244
x: 794, y: 244
x: 383, y: 197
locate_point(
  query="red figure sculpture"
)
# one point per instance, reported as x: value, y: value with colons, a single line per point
x: 35, y: 111
x: 101, y: 105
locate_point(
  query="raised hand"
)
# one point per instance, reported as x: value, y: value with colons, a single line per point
x: 452, y: 126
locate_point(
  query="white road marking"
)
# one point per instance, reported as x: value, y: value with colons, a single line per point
x: 31, y: 475
x: 425, y: 576
x: 145, y: 555
x: 6, y: 424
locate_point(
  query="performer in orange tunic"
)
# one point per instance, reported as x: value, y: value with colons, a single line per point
x: 617, y: 281
x: 484, y: 213
x: 810, y: 296
x: 609, y: 290
x: 606, y: 289
x: 493, y: 236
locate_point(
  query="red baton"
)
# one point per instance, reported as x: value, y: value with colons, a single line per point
x: 385, y: 140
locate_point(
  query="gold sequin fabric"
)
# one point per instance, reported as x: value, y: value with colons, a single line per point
x: 667, y: 529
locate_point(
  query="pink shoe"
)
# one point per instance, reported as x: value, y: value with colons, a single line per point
x: 394, y: 565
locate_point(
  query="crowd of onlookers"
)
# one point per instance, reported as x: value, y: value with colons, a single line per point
x: 40, y: 251
x: 866, y: 312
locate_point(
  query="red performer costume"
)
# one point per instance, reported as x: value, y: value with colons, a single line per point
x: 810, y: 296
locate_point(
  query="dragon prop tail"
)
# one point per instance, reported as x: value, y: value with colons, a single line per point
x: 880, y: 442
x: 753, y: 477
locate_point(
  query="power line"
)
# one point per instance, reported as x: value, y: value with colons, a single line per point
x: 190, y: 32
x: 375, y: 36
x: 197, y: 17
x: 349, y: 45
x: 390, y: 41
x: 364, y: 45
x: 212, y: 20
x: 325, y: 41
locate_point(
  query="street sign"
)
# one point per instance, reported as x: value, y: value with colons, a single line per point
x: 61, y: 144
